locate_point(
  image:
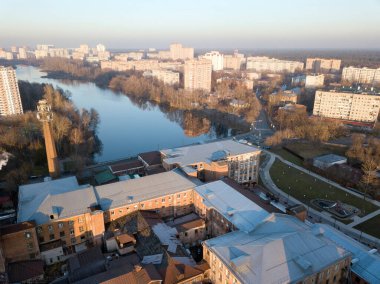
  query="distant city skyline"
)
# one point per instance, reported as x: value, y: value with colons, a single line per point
x: 201, y: 24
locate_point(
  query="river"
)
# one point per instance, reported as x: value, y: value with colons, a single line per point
x: 126, y: 128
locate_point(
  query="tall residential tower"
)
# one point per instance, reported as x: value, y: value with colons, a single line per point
x: 10, y: 101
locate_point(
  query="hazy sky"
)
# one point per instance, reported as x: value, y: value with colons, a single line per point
x: 198, y: 23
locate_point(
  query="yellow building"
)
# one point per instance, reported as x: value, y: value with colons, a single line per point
x: 197, y: 74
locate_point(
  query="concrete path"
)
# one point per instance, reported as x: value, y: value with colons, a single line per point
x: 314, y: 215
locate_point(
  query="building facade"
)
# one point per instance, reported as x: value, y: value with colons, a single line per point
x: 178, y: 52
x: 261, y: 64
x: 216, y: 59
x: 10, y: 101
x: 347, y: 106
x: 197, y: 74
x: 322, y: 65
x: 361, y: 75
x: 314, y: 81
x: 166, y: 76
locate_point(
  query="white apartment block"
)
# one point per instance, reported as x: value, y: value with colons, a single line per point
x: 197, y: 74
x: 100, y: 48
x: 22, y: 53
x: 216, y: 58
x: 178, y: 52
x: 322, y: 65
x: 141, y: 65
x: 262, y: 63
x: 166, y: 76
x: 361, y: 75
x: 6, y: 55
x: 10, y: 101
x: 314, y: 81
x: 44, y: 46
x: 347, y: 106
x: 83, y: 48
x: 59, y: 52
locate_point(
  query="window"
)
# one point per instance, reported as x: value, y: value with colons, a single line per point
x: 60, y: 225
x: 120, y: 210
x: 29, y: 245
x: 72, y: 232
x: 41, y: 239
x: 28, y: 235
x: 39, y: 230
x: 185, y: 194
x: 62, y: 234
x: 82, y: 238
x: 112, y: 212
x: 142, y: 205
x: 179, y: 195
x: 196, y: 231
x: 50, y: 228
x: 81, y: 229
x: 51, y: 236
x: 185, y: 234
x: 80, y: 220
x: 73, y: 240
x: 71, y: 223
x: 163, y: 200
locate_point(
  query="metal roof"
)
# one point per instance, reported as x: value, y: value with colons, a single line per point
x: 135, y: 190
x: 235, y: 207
x: 281, y: 249
x: 367, y: 264
x: 330, y: 158
x: 61, y: 197
x: 207, y: 152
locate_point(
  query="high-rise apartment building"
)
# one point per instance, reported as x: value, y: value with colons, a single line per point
x: 262, y: 63
x: 10, y: 101
x: 347, y: 106
x: 216, y: 58
x: 361, y: 75
x: 322, y: 65
x: 177, y: 51
x: 234, y: 61
x: 22, y: 53
x: 198, y: 74
x: 100, y: 48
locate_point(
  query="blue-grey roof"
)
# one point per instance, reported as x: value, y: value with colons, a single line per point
x: 281, y: 249
x: 330, y: 158
x: 367, y: 265
x: 124, y: 192
x: 62, y: 198
x: 235, y: 207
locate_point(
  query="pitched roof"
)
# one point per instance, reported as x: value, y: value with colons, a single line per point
x: 135, y: 190
x: 236, y: 208
x: 207, y: 152
x: 281, y: 249
x: 177, y: 271
x: 60, y: 198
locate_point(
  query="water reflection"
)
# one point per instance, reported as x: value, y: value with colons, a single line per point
x: 128, y: 127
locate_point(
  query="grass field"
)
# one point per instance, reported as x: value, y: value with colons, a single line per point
x: 371, y: 226
x: 306, y: 188
x: 287, y: 156
x: 309, y: 150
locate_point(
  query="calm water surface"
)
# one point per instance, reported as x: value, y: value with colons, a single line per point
x: 125, y: 129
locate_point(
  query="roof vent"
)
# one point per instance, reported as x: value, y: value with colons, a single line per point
x: 372, y: 251
x: 355, y: 260
x: 302, y: 262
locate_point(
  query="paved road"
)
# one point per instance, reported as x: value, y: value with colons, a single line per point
x: 314, y: 215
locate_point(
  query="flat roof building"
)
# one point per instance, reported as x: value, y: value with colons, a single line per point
x: 347, y: 106
x: 197, y: 74
x: 326, y: 161
x: 361, y: 75
x: 211, y: 161
x: 262, y: 63
x: 323, y: 65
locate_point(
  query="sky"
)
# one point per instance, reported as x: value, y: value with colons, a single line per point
x: 198, y: 23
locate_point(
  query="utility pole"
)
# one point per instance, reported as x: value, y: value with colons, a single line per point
x: 45, y: 115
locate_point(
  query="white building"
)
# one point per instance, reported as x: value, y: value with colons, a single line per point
x: 10, y: 101
x: 101, y: 48
x: 347, y: 106
x: 314, y: 81
x: 262, y: 63
x: 216, y: 59
x: 361, y: 75
x: 166, y: 76
x: 197, y: 74
x: 178, y: 52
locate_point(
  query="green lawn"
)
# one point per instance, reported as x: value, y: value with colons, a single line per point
x: 371, y: 226
x: 287, y: 156
x: 310, y: 150
x: 306, y: 188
